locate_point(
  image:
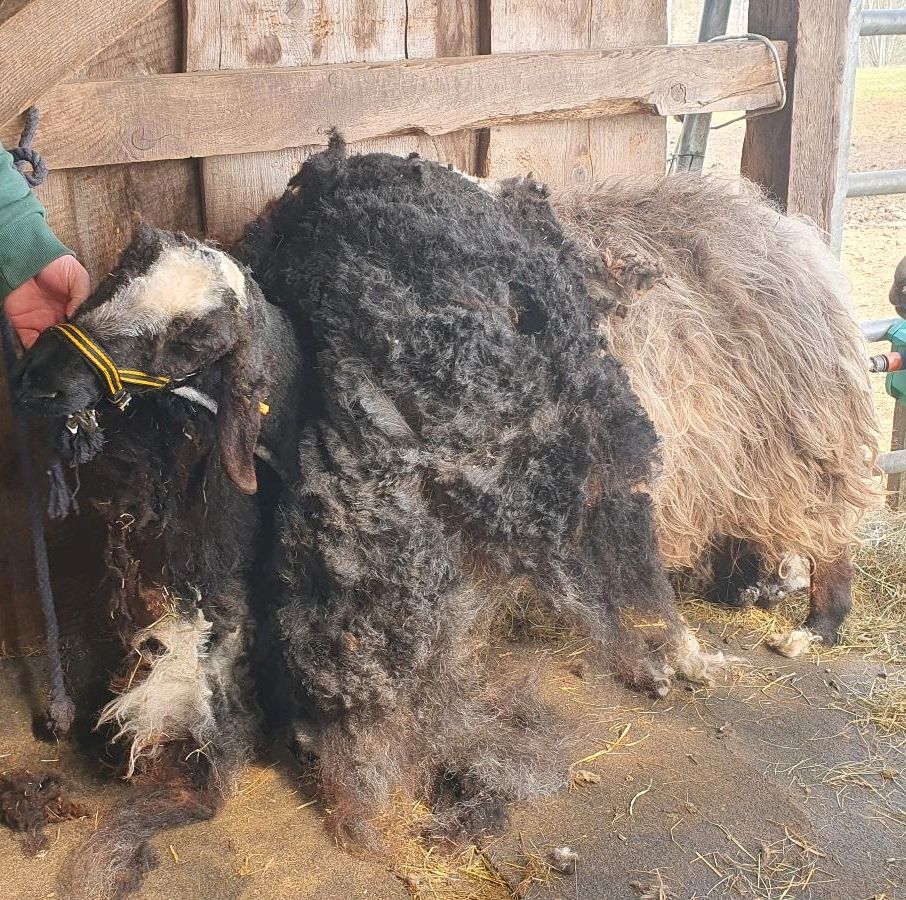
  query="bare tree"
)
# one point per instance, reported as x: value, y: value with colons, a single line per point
x: 876, y: 50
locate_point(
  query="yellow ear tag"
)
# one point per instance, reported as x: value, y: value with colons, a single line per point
x: 263, y: 408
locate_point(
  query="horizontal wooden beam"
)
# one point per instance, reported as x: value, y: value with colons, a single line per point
x: 46, y: 41
x: 87, y: 123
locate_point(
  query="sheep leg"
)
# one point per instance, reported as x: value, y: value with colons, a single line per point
x: 374, y: 627
x: 830, y: 599
x: 649, y: 641
x: 613, y: 587
x: 736, y: 571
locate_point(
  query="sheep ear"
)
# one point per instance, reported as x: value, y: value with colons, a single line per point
x: 239, y: 417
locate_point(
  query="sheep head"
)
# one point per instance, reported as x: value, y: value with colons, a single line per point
x: 172, y: 306
x: 898, y: 288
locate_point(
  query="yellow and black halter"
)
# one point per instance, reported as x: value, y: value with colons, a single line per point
x: 114, y: 379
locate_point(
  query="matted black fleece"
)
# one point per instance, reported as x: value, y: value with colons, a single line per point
x: 468, y: 428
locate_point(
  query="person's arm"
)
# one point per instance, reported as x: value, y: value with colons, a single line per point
x: 27, y: 244
x: 41, y: 281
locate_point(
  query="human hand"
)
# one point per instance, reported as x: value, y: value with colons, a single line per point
x: 55, y: 293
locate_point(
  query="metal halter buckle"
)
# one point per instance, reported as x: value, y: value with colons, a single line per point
x: 86, y: 419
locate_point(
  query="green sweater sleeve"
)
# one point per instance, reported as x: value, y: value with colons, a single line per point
x: 27, y: 244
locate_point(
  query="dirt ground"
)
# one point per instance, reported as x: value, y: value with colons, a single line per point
x: 786, y: 781
x: 771, y: 785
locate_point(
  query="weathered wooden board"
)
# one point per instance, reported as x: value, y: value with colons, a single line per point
x: 20, y: 618
x: 51, y: 40
x: 223, y: 34
x: 579, y: 151
x: 226, y: 112
x: 94, y: 209
x: 796, y: 155
x: 896, y: 484
x: 20, y: 612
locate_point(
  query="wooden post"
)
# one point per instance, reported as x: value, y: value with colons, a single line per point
x: 575, y: 152
x: 798, y: 155
x: 233, y: 34
x: 20, y: 610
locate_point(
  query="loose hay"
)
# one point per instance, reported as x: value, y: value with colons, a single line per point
x: 882, y: 706
x: 654, y: 886
x: 879, y: 710
x: 428, y: 871
x: 876, y: 627
x: 775, y: 870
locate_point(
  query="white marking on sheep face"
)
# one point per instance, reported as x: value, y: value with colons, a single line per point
x: 183, y: 282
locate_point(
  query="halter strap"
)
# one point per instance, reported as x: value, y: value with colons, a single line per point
x: 113, y: 378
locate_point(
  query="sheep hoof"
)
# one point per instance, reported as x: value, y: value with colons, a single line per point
x: 794, y: 644
x: 697, y: 666
x: 762, y: 594
x: 650, y: 675
x: 659, y: 677
x: 662, y: 687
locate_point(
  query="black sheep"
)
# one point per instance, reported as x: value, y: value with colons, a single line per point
x: 183, y: 541
x: 453, y: 426
x: 470, y: 433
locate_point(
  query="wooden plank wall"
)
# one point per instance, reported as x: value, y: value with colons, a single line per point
x: 56, y: 39
x: 20, y: 617
x: 232, y: 34
x: 575, y: 152
x: 93, y: 209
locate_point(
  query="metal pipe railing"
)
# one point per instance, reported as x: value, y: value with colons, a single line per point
x: 689, y: 155
x: 882, y: 21
x: 893, y: 462
x: 872, y: 184
x: 875, y: 329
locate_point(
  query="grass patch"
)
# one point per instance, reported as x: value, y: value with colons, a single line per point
x: 880, y: 82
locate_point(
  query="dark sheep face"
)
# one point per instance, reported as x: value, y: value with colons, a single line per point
x: 898, y: 289
x: 172, y: 306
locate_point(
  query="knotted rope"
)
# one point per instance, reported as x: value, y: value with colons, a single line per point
x: 24, y: 155
x: 62, y: 709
